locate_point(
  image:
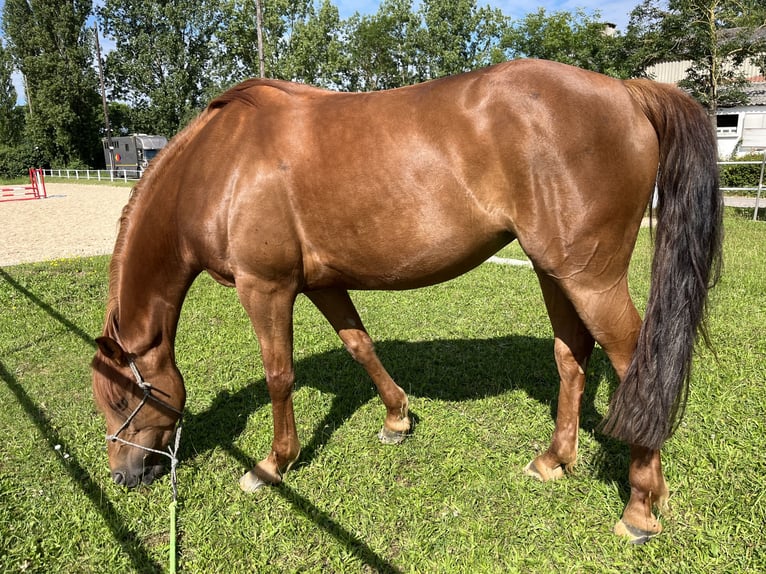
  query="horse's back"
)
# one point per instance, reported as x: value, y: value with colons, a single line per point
x: 415, y: 185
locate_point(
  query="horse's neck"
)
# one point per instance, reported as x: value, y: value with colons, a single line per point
x: 151, y: 286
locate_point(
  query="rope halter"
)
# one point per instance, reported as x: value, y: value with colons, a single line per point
x: 172, y: 451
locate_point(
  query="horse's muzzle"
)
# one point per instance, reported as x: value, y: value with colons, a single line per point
x: 131, y: 479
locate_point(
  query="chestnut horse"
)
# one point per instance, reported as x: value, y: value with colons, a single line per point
x: 278, y: 189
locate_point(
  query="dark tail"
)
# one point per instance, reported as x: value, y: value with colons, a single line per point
x: 647, y: 405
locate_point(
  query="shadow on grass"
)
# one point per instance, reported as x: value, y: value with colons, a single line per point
x: 129, y: 540
x: 444, y: 370
x: 447, y: 370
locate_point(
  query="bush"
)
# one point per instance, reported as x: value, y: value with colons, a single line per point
x: 16, y: 161
x: 742, y: 175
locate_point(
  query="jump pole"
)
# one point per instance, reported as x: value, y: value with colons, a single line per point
x: 36, y: 189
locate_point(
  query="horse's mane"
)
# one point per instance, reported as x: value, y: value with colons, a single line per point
x: 249, y: 92
x: 177, y: 144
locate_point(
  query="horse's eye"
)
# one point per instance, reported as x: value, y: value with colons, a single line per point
x: 120, y: 405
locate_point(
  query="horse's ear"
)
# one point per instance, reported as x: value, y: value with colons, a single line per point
x: 111, y: 350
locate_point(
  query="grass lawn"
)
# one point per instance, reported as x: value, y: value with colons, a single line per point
x: 476, y: 357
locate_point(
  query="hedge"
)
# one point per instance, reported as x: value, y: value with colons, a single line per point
x: 742, y: 175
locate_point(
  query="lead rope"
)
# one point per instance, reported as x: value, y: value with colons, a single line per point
x: 171, y: 453
x: 173, y: 503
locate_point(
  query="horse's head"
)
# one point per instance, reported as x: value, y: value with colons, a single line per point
x: 142, y: 397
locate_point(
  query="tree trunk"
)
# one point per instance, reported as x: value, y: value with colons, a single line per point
x: 259, y: 32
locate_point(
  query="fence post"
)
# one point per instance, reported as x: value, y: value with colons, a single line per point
x: 760, y: 188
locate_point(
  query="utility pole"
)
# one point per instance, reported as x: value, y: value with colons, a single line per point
x: 26, y: 91
x: 103, y: 101
x: 259, y: 32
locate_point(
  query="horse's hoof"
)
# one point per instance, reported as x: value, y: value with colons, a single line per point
x: 250, y: 482
x: 544, y: 474
x: 634, y: 534
x: 386, y: 436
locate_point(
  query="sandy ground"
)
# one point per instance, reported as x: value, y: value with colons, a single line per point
x: 74, y: 221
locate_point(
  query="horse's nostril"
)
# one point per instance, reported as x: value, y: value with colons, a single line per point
x: 118, y: 477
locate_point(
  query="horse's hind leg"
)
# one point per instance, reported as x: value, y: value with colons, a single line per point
x: 609, y: 314
x: 573, y: 345
x: 337, y: 307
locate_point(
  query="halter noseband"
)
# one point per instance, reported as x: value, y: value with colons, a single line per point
x: 171, y: 453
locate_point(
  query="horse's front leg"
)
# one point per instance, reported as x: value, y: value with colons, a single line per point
x: 272, y: 316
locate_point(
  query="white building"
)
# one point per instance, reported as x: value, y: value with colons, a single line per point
x: 740, y: 129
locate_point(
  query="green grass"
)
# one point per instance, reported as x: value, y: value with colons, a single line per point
x: 474, y: 354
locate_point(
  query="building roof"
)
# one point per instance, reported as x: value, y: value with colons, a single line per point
x: 756, y: 93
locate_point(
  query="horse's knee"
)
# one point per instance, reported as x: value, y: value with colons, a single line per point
x: 280, y: 383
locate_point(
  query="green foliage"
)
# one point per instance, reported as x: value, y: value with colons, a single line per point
x: 317, y: 50
x: 163, y: 61
x: 458, y: 36
x: 122, y: 119
x: 301, y: 42
x: 743, y: 175
x: 15, y: 161
x: 53, y: 49
x: 713, y: 34
x: 475, y: 356
x: 383, y: 48
x: 11, y: 117
x: 575, y: 38
x: 170, y: 58
x: 394, y: 47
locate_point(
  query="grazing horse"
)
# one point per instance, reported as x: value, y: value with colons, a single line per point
x: 279, y: 188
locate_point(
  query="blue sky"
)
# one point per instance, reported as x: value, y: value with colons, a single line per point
x: 615, y: 11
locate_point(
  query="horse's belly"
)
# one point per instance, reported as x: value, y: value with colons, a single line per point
x: 399, y: 264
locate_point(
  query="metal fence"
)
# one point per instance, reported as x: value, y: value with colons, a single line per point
x: 758, y: 190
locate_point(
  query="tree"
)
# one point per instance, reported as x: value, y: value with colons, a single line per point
x: 15, y: 158
x: 122, y: 119
x: 11, y: 116
x: 383, y: 47
x: 317, y: 50
x: 575, y: 38
x: 458, y: 36
x: 162, y: 62
x: 285, y: 22
x: 715, y: 35
x: 52, y: 47
x: 753, y: 19
x: 397, y: 47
